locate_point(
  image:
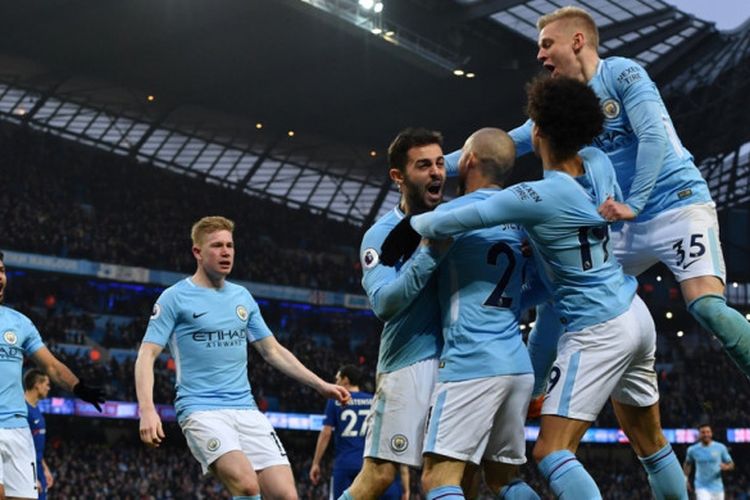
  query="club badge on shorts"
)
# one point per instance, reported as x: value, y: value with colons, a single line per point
x: 213, y: 444
x: 399, y: 443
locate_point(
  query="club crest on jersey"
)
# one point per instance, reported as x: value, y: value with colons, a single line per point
x: 611, y: 108
x: 213, y: 444
x: 241, y: 313
x: 370, y: 258
x: 10, y: 337
x: 156, y: 311
x: 399, y: 443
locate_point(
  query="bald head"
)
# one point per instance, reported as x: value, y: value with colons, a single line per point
x: 494, y: 152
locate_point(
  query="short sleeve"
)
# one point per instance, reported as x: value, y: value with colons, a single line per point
x: 330, y: 419
x: 256, y: 325
x: 689, y: 457
x: 32, y: 339
x: 162, y: 321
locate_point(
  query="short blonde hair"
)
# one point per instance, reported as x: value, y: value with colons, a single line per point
x: 581, y: 17
x: 208, y: 225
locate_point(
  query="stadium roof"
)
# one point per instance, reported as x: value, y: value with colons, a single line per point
x: 344, y: 82
x: 640, y: 29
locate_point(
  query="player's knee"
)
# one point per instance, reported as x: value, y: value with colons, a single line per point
x: 248, y: 489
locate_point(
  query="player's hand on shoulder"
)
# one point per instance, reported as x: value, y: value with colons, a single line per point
x: 150, y: 429
x: 400, y: 242
x: 613, y: 211
x: 315, y: 474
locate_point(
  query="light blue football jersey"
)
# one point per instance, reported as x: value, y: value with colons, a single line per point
x: 18, y: 337
x: 664, y: 175
x: 707, y: 460
x: 480, y: 298
x: 404, y: 297
x: 208, y: 331
x: 569, y: 237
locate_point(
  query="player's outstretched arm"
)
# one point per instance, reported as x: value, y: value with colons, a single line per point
x: 280, y: 358
x: 320, y: 448
x: 62, y: 376
x: 150, y: 429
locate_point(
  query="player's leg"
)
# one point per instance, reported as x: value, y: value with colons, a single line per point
x: 504, y: 481
x: 441, y: 477
x: 277, y: 483
x: 236, y: 473
x: 688, y: 243
x: 506, y: 446
x: 264, y: 450
x: 704, y: 297
x: 643, y: 428
x: 396, y: 490
x: 463, y: 417
x: 589, y: 365
x: 395, y: 428
x: 636, y: 404
x: 554, y: 453
x: 17, y: 464
x: 374, y: 478
x: 471, y: 481
x: 215, y: 444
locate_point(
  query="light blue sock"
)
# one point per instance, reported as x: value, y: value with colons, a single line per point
x: 729, y: 326
x: 247, y: 497
x: 665, y: 475
x: 517, y: 490
x: 446, y: 493
x: 346, y: 495
x: 567, y: 478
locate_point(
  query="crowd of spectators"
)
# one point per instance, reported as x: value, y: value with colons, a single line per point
x: 114, y: 209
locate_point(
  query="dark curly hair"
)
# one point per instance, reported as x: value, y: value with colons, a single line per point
x: 566, y: 111
x: 353, y: 373
x: 398, y: 151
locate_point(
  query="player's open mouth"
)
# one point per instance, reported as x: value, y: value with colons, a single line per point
x: 549, y: 67
x: 435, y: 188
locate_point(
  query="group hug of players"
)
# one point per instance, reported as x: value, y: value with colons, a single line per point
x: 450, y: 281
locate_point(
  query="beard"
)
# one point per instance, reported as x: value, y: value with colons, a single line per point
x: 416, y: 197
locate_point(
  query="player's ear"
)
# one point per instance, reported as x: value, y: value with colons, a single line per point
x: 579, y: 40
x: 397, y: 176
x: 196, y: 251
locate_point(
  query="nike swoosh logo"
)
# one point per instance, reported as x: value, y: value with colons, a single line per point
x: 685, y: 266
x: 195, y: 315
x: 36, y: 421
